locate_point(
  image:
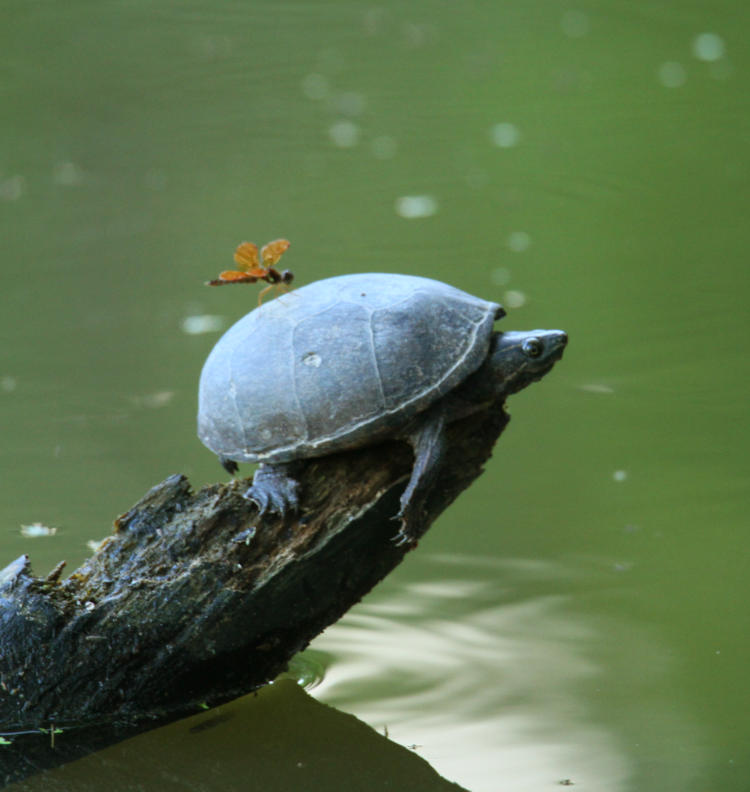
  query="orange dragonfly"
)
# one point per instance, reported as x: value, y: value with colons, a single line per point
x: 253, y: 267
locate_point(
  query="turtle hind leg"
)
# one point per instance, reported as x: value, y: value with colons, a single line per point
x: 273, y: 490
x: 428, y: 442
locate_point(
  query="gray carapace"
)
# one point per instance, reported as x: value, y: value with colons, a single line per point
x: 352, y: 360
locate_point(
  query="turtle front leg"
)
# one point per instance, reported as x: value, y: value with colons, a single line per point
x: 273, y: 490
x: 428, y: 442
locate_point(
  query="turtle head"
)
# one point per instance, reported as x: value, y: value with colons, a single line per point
x: 518, y: 359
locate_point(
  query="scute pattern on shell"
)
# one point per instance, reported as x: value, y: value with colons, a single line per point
x: 338, y: 363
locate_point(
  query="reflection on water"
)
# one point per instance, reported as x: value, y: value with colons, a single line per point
x: 496, y: 679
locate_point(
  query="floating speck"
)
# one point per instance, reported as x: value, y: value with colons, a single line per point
x: 671, y: 74
x: 416, y: 35
x: 597, y: 387
x: 412, y: 206
x: 210, y: 47
x: 153, y: 400
x: 67, y: 174
x: 37, y: 529
x: 8, y: 384
x: 374, y: 20
x: 500, y: 276
x: 202, y: 323
x: 12, y: 188
x: 505, y: 135
x: 620, y: 475
x: 575, y: 24
x: 519, y: 241
x: 95, y: 545
x: 344, y: 134
x: 514, y: 298
x: 708, y: 47
x: 315, y: 86
x: 384, y: 147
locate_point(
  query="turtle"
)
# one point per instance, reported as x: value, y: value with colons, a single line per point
x: 351, y: 361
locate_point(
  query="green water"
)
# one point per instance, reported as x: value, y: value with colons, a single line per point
x: 580, y: 613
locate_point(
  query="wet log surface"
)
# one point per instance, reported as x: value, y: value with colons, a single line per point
x: 193, y: 601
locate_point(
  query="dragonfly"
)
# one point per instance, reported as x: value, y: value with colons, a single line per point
x: 254, y: 266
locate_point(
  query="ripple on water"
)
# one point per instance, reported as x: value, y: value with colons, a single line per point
x: 484, y: 684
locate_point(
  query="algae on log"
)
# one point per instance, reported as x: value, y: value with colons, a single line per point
x: 193, y: 601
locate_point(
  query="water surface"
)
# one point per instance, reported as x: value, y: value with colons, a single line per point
x: 580, y: 612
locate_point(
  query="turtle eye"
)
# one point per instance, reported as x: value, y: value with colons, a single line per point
x: 532, y: 347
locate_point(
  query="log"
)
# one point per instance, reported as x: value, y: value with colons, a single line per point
x: 194, y: 601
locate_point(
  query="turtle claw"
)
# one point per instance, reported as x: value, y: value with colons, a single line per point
x: 406, y: 534
x: 403, y: 537
x: 273, y: 490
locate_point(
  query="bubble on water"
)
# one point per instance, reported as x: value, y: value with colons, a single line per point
x: 202, y: 323
x: 505, y: 135
x: 384, y: 147
x: 412, y: 206
x: 514, y: 298
x: 315, y: 86
x: 344, y: 134
x: 619, y: 475
x: 518, y: 241
x: 708, y: 47
x: 575, y: 24
x: 671, y: 74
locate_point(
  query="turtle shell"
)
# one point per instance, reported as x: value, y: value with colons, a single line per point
x: 339, y: 363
